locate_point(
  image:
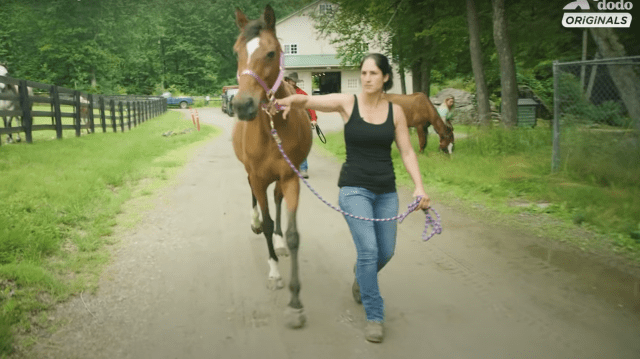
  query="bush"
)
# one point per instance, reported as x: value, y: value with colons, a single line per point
x: 579, y: 110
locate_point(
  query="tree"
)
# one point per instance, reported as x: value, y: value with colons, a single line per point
x: 475, y: 49
x: 625, y: 79
x: 509, y: 98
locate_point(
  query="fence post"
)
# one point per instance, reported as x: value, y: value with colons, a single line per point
x: 57, y: 116
x: 121, y: 116
x: 112, y: 107
x: 555, y: 157
x: 103, y: 121
x: 76, y: 112
x: 129, y: 113
x: 25, y: 105
x: 92, y: 126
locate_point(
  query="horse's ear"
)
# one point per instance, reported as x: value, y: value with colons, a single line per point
x: 269, y: 17
x: 241, y: 19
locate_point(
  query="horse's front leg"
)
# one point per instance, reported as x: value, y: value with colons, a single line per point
x: 18, y: 138
x: 260, y: 193
x: 278, y: 241
x: 423, y: 132
x: 294, y: 314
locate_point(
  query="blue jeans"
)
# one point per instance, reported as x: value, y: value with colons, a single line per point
x: 375, y: 241
x: 304, y: 166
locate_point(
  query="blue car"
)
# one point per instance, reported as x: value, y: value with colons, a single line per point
x: 182, y: 102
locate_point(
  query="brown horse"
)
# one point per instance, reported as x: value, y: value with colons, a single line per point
x: 421, y: 114
x: 259, y: 55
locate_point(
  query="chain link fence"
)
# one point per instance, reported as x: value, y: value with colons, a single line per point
x: 596, y: 116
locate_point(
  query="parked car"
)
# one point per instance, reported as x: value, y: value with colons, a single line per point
x: 227, y: 96
x: 182, y: 101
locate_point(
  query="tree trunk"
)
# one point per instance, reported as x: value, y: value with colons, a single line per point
x: 403, y: 81
x: 508, y: 80
x: 584, y: 57
x: 623, y: 76
x: 482, y: 93
x: 592, y: 78
x: 425, y: 83
x: 425, y: 67
x: 416, y: 72
x: 94, y: 82
x: 401, y: 68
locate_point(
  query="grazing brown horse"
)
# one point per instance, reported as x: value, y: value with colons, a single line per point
x: 260, y: 74
x: 421, y: 114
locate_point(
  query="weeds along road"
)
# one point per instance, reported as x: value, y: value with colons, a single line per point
x: 190, y: 282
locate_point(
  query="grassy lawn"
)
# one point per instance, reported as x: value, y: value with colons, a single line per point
x: 509, y: 172
x: 60, y: 200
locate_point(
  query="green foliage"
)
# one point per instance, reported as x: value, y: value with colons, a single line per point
x: 139, y: 47
x: 539, y: 79
x: 577, y: 109
x: 501, y: 141
x: 601, y: 157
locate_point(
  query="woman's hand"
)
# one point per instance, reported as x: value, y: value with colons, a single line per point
x: 286, y: 103
x: 425, y: 201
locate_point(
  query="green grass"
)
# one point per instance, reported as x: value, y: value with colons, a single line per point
x: 60, y: 202
x: 509, y: 172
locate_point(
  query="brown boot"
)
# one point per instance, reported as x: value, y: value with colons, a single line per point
x: 374, y: 332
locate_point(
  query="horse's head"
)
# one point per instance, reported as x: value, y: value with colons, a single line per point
x: 259, y: 62
x: 446, y: 139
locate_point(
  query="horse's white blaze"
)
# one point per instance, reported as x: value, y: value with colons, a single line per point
x: 255, y: 217
x: 278, y: 242
x: 450, y: 147
x: 273, y: 269
x: 252, y: 46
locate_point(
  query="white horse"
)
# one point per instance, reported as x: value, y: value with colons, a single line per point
x: 10, y: 105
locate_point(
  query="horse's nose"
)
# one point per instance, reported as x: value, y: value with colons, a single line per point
x: 245, y: 106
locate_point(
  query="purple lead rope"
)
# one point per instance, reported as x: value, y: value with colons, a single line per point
x: 435, y: 224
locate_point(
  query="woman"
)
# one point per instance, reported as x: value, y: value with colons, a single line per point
x: 367, y: 181
x: 445, y: 109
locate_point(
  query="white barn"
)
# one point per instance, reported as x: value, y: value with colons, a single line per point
x: 311, y: 56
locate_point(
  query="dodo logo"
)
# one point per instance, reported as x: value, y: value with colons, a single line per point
x: 604, y: 18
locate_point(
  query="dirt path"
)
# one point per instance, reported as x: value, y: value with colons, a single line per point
x: 190, y: 282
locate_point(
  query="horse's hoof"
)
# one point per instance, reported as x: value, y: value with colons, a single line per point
x: 282, y: 252
x: 256, y: 230
x: 295, y: 318
x: 275, y: 283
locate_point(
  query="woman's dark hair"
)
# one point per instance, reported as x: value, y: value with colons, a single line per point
x: 383, y: 64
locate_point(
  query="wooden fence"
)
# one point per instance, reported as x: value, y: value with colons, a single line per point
x: 114, y: 111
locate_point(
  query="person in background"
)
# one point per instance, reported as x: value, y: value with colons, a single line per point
x: 446, y: 108
x: 207, y: 99
x: 292, y: 79
x: 367, y: 179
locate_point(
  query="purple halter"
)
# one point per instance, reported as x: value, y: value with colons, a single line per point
x: 271, y: 93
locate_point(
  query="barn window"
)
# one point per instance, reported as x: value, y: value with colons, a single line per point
x: 291, y: 49
x: 326, y: 9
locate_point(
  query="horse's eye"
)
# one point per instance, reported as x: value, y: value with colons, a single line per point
x: 271, y: 54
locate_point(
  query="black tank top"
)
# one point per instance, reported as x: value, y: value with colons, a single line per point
x: 368, y: 163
